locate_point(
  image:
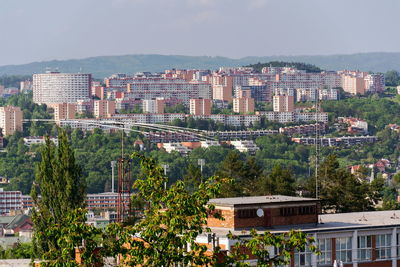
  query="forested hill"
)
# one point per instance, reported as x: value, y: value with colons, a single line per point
x: 106, y: 65
x: 301, y: 66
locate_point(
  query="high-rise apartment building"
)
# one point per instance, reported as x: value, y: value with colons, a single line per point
x: 104, y: 108
x: 353, y: 84
x: 153, y: 105
x: 200, y: 106
x: 243, y: 105
x: 10, y: 119
x: 283, y: 103
x: 55, y: 87
x: 64, y: 111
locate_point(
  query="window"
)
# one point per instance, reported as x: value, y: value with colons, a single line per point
x: 383, y: 246
x: 302, y: 257
x: 306, y: 210
x: 251, y: 213
x: 288, y: 211
x: 364, y: 247
x: 325, y: 247
x: 343, y: 249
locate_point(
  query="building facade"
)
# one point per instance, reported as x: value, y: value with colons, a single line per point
x: 10, y: 119
x: 55, y: 87
x: 243, y: 105
x: 200, y: 106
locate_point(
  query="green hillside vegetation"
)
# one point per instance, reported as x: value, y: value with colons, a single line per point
x: 298, y: 65
x: 104, y: 66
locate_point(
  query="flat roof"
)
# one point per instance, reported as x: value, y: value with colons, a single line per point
x: 331, y: 223
x: 257, y: 200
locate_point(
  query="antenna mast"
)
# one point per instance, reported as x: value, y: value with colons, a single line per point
x: 317, y: 142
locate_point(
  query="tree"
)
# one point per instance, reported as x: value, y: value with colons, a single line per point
x: 341, y: 191
x: 279, y: 182
x: 259, y: 244
x: 172, y: 219
x: 392, y: 78
x: 61, y: 189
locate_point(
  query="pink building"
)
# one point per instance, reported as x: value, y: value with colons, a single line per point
x: 200, y: 106
x: 283, y: 103
x: 10, y: 119
x: 153, y: 105
x: 104, y: 108
x: 222, y: 87
x: 64, y: 111
x: 243, y: 105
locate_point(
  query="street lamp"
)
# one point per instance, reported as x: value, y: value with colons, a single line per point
x: 166, y: 169
x: 201, y: 162
x: 112, y: 175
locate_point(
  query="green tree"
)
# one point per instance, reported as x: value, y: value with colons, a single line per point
x: 259, y: 246
x: 172, y: 219
x: 61, y: 189
x: 341, y: 191
x: 279, y: 182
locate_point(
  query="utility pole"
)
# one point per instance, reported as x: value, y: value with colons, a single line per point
x: 201, y: 162
x: 112, y: 175
x: 166, y: 169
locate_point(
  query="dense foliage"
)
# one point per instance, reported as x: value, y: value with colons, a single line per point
x: 298, y: 65
x: 62, y: 192
x: 13, y: 80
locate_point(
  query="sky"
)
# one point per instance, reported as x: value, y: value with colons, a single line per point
x: 39, y: 30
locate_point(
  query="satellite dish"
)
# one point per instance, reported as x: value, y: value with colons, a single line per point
x: 260, y: 213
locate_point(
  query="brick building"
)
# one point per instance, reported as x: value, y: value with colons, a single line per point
x: 10, y: 119
x: 358, y: 239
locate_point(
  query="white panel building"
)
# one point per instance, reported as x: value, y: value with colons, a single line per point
x: 55, y: 87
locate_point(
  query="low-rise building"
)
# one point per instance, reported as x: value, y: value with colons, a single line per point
x: 364, y: 239
x: 38, y: 140
x: 178, y: 147
x: 245, y: 146
x: 337, y: 141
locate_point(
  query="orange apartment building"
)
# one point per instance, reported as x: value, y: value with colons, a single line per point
x: 222, y: 87
x: 243, y: 105
x: 10, y: 120
x: 353, y: 84
x: 64, y: 111
x: 200, y: 106
x: 358, y: 239
x: 104, y: 108
x: 283, y: 103
x: 153, y: 105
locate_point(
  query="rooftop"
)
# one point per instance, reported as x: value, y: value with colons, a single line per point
x: 257, y: 200
x: 332, y: 222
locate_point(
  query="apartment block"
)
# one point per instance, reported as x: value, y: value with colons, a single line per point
x: 55, y: 87
x: 200, y: 106
x: 151, y: 88
x: 9, y: 201
x: 243, y: 105
x: 153, y: 105
x: 222, y: 87
x: 283, y: 103
x: 10, y: 119
x: 353, y: 84
x: 104, y: 108
x: 64, y: 111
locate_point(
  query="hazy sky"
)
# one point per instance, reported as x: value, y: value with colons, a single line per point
x: 36, y: 30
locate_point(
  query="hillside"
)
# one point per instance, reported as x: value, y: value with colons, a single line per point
x: 106, y: 65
